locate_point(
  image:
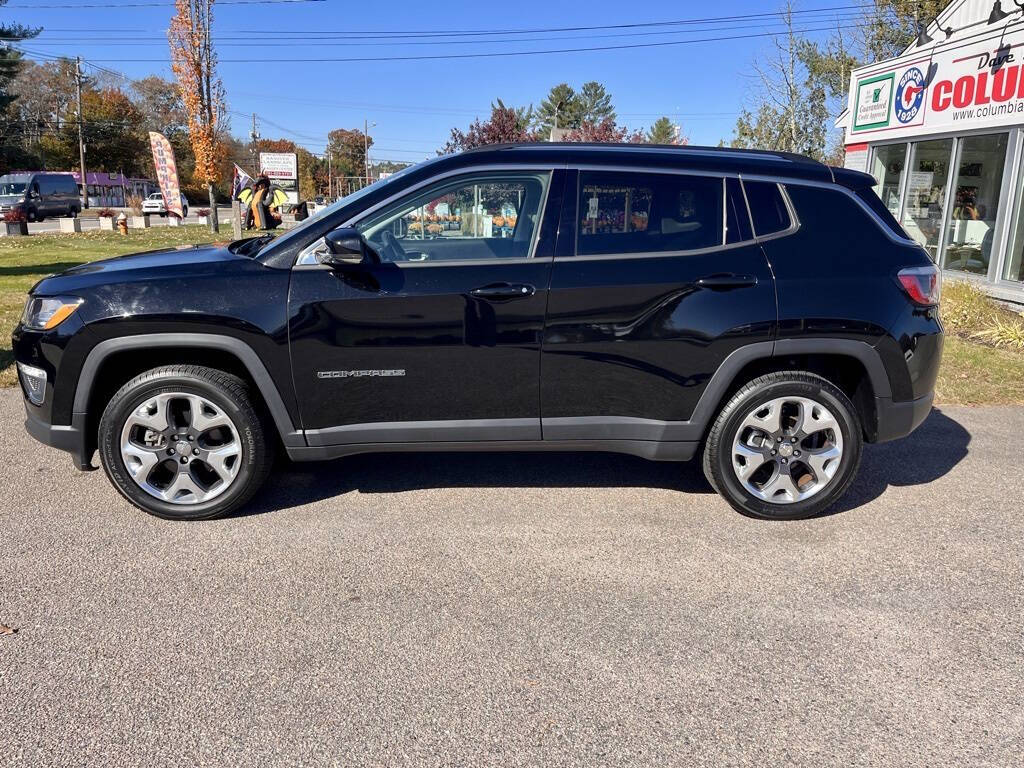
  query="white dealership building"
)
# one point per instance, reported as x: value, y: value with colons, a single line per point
x: 941, y: 128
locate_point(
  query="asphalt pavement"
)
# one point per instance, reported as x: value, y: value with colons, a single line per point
x: 508, y: 609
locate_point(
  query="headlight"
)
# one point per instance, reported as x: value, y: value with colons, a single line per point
x: 43, y: 313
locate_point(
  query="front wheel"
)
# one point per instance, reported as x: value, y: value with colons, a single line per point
x: 786, y: 446
x: 185, y: 443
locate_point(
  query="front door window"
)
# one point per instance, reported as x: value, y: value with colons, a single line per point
x: 975, y: 203
x: 481, y: 217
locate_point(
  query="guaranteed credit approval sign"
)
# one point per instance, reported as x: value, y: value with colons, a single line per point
x: 968, y: 83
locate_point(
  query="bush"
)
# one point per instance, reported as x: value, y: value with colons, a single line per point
x: 968, y: 312
x: 135, y: 205
x: 203, y: 212
x: 106, y: 213
x: 15, y: 216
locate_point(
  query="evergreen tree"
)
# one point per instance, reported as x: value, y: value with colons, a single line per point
x: 662, y: 132
x: 562, y: 107
x: 595, y: 103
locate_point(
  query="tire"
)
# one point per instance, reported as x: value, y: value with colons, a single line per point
x: 787, y: 474
x: 31, y: 215
x: 165, y: 471
x: 73, y: 213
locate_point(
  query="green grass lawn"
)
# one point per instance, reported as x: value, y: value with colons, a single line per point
x: 26, y: 260
x: 974, y: 371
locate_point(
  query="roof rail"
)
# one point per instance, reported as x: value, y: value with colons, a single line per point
x: 761, y: 154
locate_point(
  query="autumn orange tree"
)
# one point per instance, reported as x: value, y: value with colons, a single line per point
x: 195, y: 66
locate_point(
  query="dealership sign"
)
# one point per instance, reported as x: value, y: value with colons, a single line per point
x: 279, y: 165
x: 969, y: 83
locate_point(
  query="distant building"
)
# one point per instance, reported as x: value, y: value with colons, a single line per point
x: 113, y: 189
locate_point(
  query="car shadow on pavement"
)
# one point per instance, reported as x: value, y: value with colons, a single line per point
x: 929, y: 453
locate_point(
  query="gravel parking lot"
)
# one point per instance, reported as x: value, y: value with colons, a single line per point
x: 475, y: 609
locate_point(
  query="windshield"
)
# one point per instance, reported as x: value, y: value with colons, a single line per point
x: 349, y: 199
x: 8, y: 188
x: 156, y: 196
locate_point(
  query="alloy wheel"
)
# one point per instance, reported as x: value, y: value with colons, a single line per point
x: 787, y: 449
x: 181, y: 448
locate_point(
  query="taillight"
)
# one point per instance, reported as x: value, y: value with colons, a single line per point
x: 922, y: 284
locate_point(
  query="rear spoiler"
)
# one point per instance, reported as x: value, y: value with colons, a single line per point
x: 854, y: 180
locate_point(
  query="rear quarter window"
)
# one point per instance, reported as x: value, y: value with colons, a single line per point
x: 869, y: 198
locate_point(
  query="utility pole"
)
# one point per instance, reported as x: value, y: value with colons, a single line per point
x: 81, y: 141
x: 330, y: 177
x: 366, y: 148
x: 255, y: 154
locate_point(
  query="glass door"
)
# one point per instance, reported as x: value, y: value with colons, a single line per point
x: 976, y: 191
x: 926, y: 192
x: 887, y: 167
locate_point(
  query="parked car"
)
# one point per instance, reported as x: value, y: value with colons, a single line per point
x: 40, y: 195
x: 759, y: 310
x: 154, y: 204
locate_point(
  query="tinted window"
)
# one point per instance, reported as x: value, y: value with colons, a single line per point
x: 648, y: 213
x: 766, y: 207
x: 737, y: 220
x: 476, y: 217
x: 68, y: 186
x: 875, y: 204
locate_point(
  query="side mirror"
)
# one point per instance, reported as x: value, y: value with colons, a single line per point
x: 347, y: 248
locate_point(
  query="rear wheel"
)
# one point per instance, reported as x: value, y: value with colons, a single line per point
x: 786, y: 446
x: 185, y: 443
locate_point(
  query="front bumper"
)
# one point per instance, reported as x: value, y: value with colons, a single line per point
x: 65, y: 437
x: 896, y: 420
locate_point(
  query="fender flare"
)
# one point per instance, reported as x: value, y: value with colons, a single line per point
x: 290, y: 436
x: 861, y: 351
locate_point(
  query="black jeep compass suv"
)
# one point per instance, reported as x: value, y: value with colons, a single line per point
x: 760, y: 308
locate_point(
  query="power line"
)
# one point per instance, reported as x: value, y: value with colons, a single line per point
x: 317, y: 39
x: 501, y: 54
x: 521, y: 31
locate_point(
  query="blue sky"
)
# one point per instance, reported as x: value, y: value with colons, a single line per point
x: 702, y: 85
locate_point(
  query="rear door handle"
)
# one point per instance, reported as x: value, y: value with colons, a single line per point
x: 503, y: 291
x: 726, y: 282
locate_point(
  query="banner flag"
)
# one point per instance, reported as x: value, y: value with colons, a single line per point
x: 239, y: 181
x: 166, y: 172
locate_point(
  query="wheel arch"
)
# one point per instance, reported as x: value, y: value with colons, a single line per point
x: 114, y: 361
x: 853, y: 366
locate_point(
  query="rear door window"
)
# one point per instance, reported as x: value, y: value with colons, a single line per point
x: 767, y: 208
x: 631, y: 213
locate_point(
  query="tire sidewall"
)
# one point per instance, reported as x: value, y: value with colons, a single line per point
x: 129, y: 398
x: 849, y: 426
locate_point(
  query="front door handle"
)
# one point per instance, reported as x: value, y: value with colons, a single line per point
x: 503, y: 291
x: 726, y: 282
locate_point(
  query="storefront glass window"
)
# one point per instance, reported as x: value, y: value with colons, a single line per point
x: 1015, y: 256
x: 975, y: 203
x: 887, y: 168
x: 926, y: 192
